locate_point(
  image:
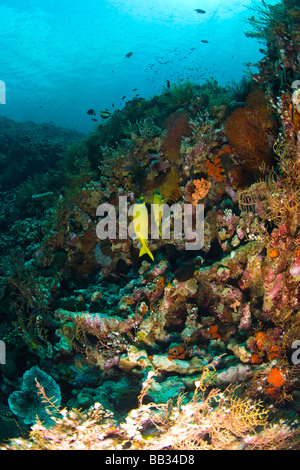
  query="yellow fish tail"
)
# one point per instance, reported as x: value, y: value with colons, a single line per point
x: 145, y: 250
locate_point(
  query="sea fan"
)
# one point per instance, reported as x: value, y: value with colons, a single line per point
x: 178, y: 127
x: 250, y: 130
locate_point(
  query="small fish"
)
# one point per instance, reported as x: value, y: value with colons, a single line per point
x: 204, y: 41
x: 105, y: 114
x: 129, y: 54
x: 91, y: 112
x: 95, y: 120
x: 158, y: 210
x: 198, y: 10
x: 123, y: 97
x: 134, y: 89
x: 168, y: 84
x: 140, y: 225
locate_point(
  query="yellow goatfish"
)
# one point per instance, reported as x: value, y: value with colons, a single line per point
x: 140, y: 225
x: 158, y: 210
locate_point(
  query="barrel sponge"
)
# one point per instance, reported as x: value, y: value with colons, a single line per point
x: 27, y: 403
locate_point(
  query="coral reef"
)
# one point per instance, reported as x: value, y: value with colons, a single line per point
x: 213, y: 420
x: 41, y: 147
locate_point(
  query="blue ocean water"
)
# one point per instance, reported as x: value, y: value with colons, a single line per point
x: 58, y: 59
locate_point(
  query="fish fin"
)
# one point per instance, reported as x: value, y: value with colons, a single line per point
x: 145, y: 250
x: 161, y: 235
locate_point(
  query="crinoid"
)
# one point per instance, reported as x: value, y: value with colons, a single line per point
x: 254, y: 198
x: 276, y: 199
